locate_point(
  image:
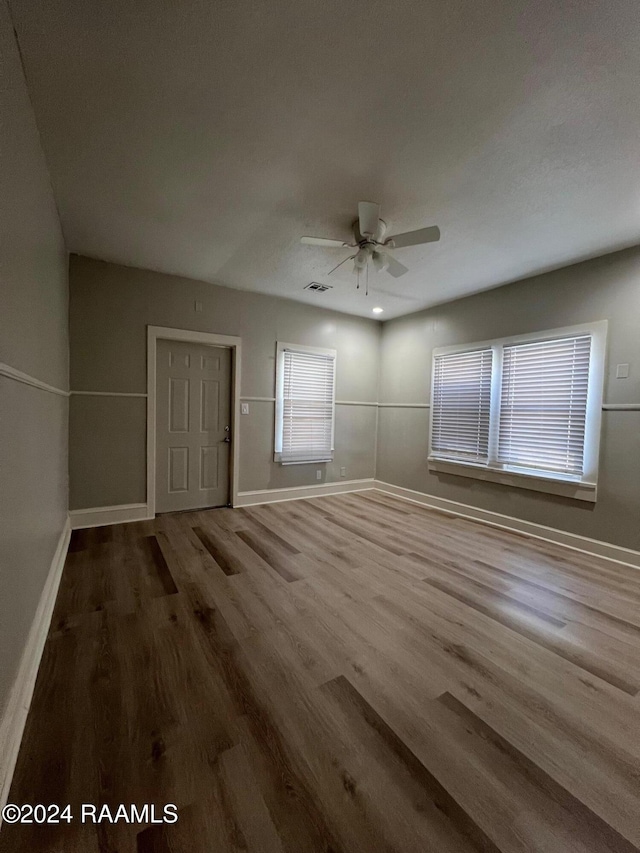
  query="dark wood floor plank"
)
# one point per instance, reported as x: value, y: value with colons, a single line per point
x: 57, y: 761
x: 606, y: 644
x: 286, y: 789
x: 159, y: 570
x: 450, y: 546
x: 469, y: 637
x: 200, y: 578
x: 266, y: 533
x: 343, y: 782
x: 554, y: 642
x: 553, y: 597
x: 541, y: 597
x: 342, y: 691
x: 79, y: 540
x: 575, y: 728
x: 391, y: 506
x: 486, y: 598
x: 354, y: 674
x: 247, y: 802
x: 269, y: 554
x: 361, y: 531
x: 583, y: 824
x: 217, y: 550
x: 85, y: 593
x: 305, y: 527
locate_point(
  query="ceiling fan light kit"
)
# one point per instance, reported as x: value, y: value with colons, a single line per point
x: 380, y: 261
x: 369, y: 233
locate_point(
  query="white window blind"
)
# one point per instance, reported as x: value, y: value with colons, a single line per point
x: 543, y: 404
x: 307, y: 407
x: 461, y: 405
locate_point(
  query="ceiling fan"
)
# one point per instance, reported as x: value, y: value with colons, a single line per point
x: 369, y: 232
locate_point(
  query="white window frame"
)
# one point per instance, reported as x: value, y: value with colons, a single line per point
x: 281, y: 348
x: 581, y: 488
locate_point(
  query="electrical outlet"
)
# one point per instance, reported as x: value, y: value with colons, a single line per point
x: 622, y: 371
x: 318, y: 474
x: 244, y: 408
x: 343, y: 472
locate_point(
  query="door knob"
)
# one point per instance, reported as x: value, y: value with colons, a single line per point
x: 227, y: 439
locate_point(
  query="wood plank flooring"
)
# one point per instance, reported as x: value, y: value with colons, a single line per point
x: 347, y: 674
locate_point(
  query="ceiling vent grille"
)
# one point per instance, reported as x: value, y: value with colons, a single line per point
x: 317, y: 287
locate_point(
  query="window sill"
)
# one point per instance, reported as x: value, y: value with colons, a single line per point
x: 534, y: 482
x: 276, y: 458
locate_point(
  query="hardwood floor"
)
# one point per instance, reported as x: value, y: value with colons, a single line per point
x: 352, y: 673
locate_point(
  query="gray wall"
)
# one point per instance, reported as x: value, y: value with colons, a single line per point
x: 110, y: 307
x: 604, y: 288
x: 33, y: 339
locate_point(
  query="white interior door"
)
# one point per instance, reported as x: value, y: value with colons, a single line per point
x: 193, y: 425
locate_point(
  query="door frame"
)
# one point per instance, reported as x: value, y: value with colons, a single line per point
x: 155, y: 333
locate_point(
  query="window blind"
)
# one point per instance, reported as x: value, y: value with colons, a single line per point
x: 461, y: 405
x: 543, y: 406
x: 308, y: 405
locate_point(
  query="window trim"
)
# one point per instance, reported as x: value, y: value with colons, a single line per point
x: 281, y: 348
x: 581, y: 488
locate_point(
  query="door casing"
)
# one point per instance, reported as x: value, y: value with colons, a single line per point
x: 189, y: 336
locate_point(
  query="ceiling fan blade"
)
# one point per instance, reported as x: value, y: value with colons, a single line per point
x: 395, y: 268
x: 415, y: 238
x: 325, y: 241
x: 369, y: 216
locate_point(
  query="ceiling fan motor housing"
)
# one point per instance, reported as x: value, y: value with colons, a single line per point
x: 378, y: 237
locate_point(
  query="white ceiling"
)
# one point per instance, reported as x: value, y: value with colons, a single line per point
x: 204, y: 137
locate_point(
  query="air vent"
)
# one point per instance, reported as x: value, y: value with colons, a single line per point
x: 319, y: 288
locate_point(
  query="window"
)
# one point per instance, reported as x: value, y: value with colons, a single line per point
x: 528, y: 406
x: 543, y: 404
x: 461, y: 405
x: 305, y: 404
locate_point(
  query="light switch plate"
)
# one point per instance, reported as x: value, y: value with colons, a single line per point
x: 197, y: 306
x: 244, y: 408
x: 622, y: 371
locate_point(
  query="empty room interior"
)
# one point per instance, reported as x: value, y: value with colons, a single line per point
x: 319, y: 426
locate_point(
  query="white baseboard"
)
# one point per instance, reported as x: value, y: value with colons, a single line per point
x: 595, y: 547
x: 269, y: 496
x: 17, y: 708
x: 101, y: 515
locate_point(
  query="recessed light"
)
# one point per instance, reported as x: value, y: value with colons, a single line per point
x: 378, y: 310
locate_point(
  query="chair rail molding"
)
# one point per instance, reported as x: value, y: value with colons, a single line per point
x: 18, y: 376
